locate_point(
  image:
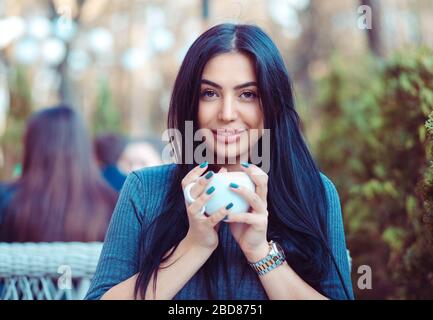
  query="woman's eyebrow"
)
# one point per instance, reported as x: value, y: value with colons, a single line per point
x: 246, y: 84
x: 211, y: 83
x: 240, y: 86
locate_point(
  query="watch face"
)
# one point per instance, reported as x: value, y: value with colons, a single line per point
x: 279, y: 249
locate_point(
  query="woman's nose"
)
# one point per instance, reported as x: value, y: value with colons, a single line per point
x: 228, y: 111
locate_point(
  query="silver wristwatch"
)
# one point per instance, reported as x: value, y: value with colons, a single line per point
x: 274, y: 259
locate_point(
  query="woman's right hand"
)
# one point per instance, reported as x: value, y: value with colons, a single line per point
x: 203, y: 230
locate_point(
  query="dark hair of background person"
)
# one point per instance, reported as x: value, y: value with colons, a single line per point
x: 60, y: 195
x: 109, y: 148
x: 297, y: 201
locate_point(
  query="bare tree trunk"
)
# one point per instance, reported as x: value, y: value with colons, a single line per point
x: 66, y: 91
x: 205, y: 9
x: 374, y: 34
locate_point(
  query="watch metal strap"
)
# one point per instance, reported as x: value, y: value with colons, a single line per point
x: 268, y: 263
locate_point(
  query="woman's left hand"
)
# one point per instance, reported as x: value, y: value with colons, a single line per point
x: 249, y: 229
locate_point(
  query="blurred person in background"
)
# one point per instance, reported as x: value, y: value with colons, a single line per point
x: 108, y: 149
x: 140, y: 153
x: 60, y: 195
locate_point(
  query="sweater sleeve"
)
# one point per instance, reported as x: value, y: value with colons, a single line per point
x: 118, y: 260
x: 331, y: 284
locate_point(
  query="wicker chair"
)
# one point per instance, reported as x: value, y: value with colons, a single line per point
x: 47, y: 271
x: 50, y: 271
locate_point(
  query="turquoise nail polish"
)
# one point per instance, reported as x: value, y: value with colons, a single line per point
x: 245, y: 164
x: 204, y: 164
x: 229, y: 206
x: 209, y: 175
x: 210, y: 190
x: 234, y: 185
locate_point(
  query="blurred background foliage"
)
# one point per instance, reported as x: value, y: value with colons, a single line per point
x: 106, y: 116
x: 376, y: 144
x: 20, y: 99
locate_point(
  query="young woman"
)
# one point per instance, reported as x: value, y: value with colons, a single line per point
x: 60, y: 195
x: 232, y: 81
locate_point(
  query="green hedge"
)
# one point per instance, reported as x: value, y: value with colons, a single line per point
x: 374, y: 144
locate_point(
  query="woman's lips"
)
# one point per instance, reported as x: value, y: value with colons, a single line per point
x: 227, y: 136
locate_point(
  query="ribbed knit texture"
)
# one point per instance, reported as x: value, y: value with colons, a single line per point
x: 142, y: 199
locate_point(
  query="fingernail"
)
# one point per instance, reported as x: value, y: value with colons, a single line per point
x: 203, y: 164
x: 245, y: 164
x: 234, y: 185
x: 209, y: 175
x: 229, y: 205
x: 210, y: 190
x: 226, y: 218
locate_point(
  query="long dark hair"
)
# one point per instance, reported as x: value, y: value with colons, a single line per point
x: 296, y: 196
x: 60, y: 195
x: 108, y: 148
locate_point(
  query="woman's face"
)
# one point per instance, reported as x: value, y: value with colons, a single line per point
x: 229, y: 105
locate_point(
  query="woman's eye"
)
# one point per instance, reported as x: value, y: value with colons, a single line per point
x: 248, y: 95
x: 209, y: 94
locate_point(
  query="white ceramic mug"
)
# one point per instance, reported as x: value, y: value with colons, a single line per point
x: 223, y: 195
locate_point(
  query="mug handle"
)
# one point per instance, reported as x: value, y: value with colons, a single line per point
x: 189, y: 199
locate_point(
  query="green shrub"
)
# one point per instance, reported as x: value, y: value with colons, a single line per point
x: 20, y: 110
x: 375, y: 146
x: 106, y: 116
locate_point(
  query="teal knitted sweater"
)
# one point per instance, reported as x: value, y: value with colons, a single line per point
x: 142, y: 199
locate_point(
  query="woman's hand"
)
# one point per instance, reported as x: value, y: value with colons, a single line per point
x: 202, y: 230
x: 249, y: 229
